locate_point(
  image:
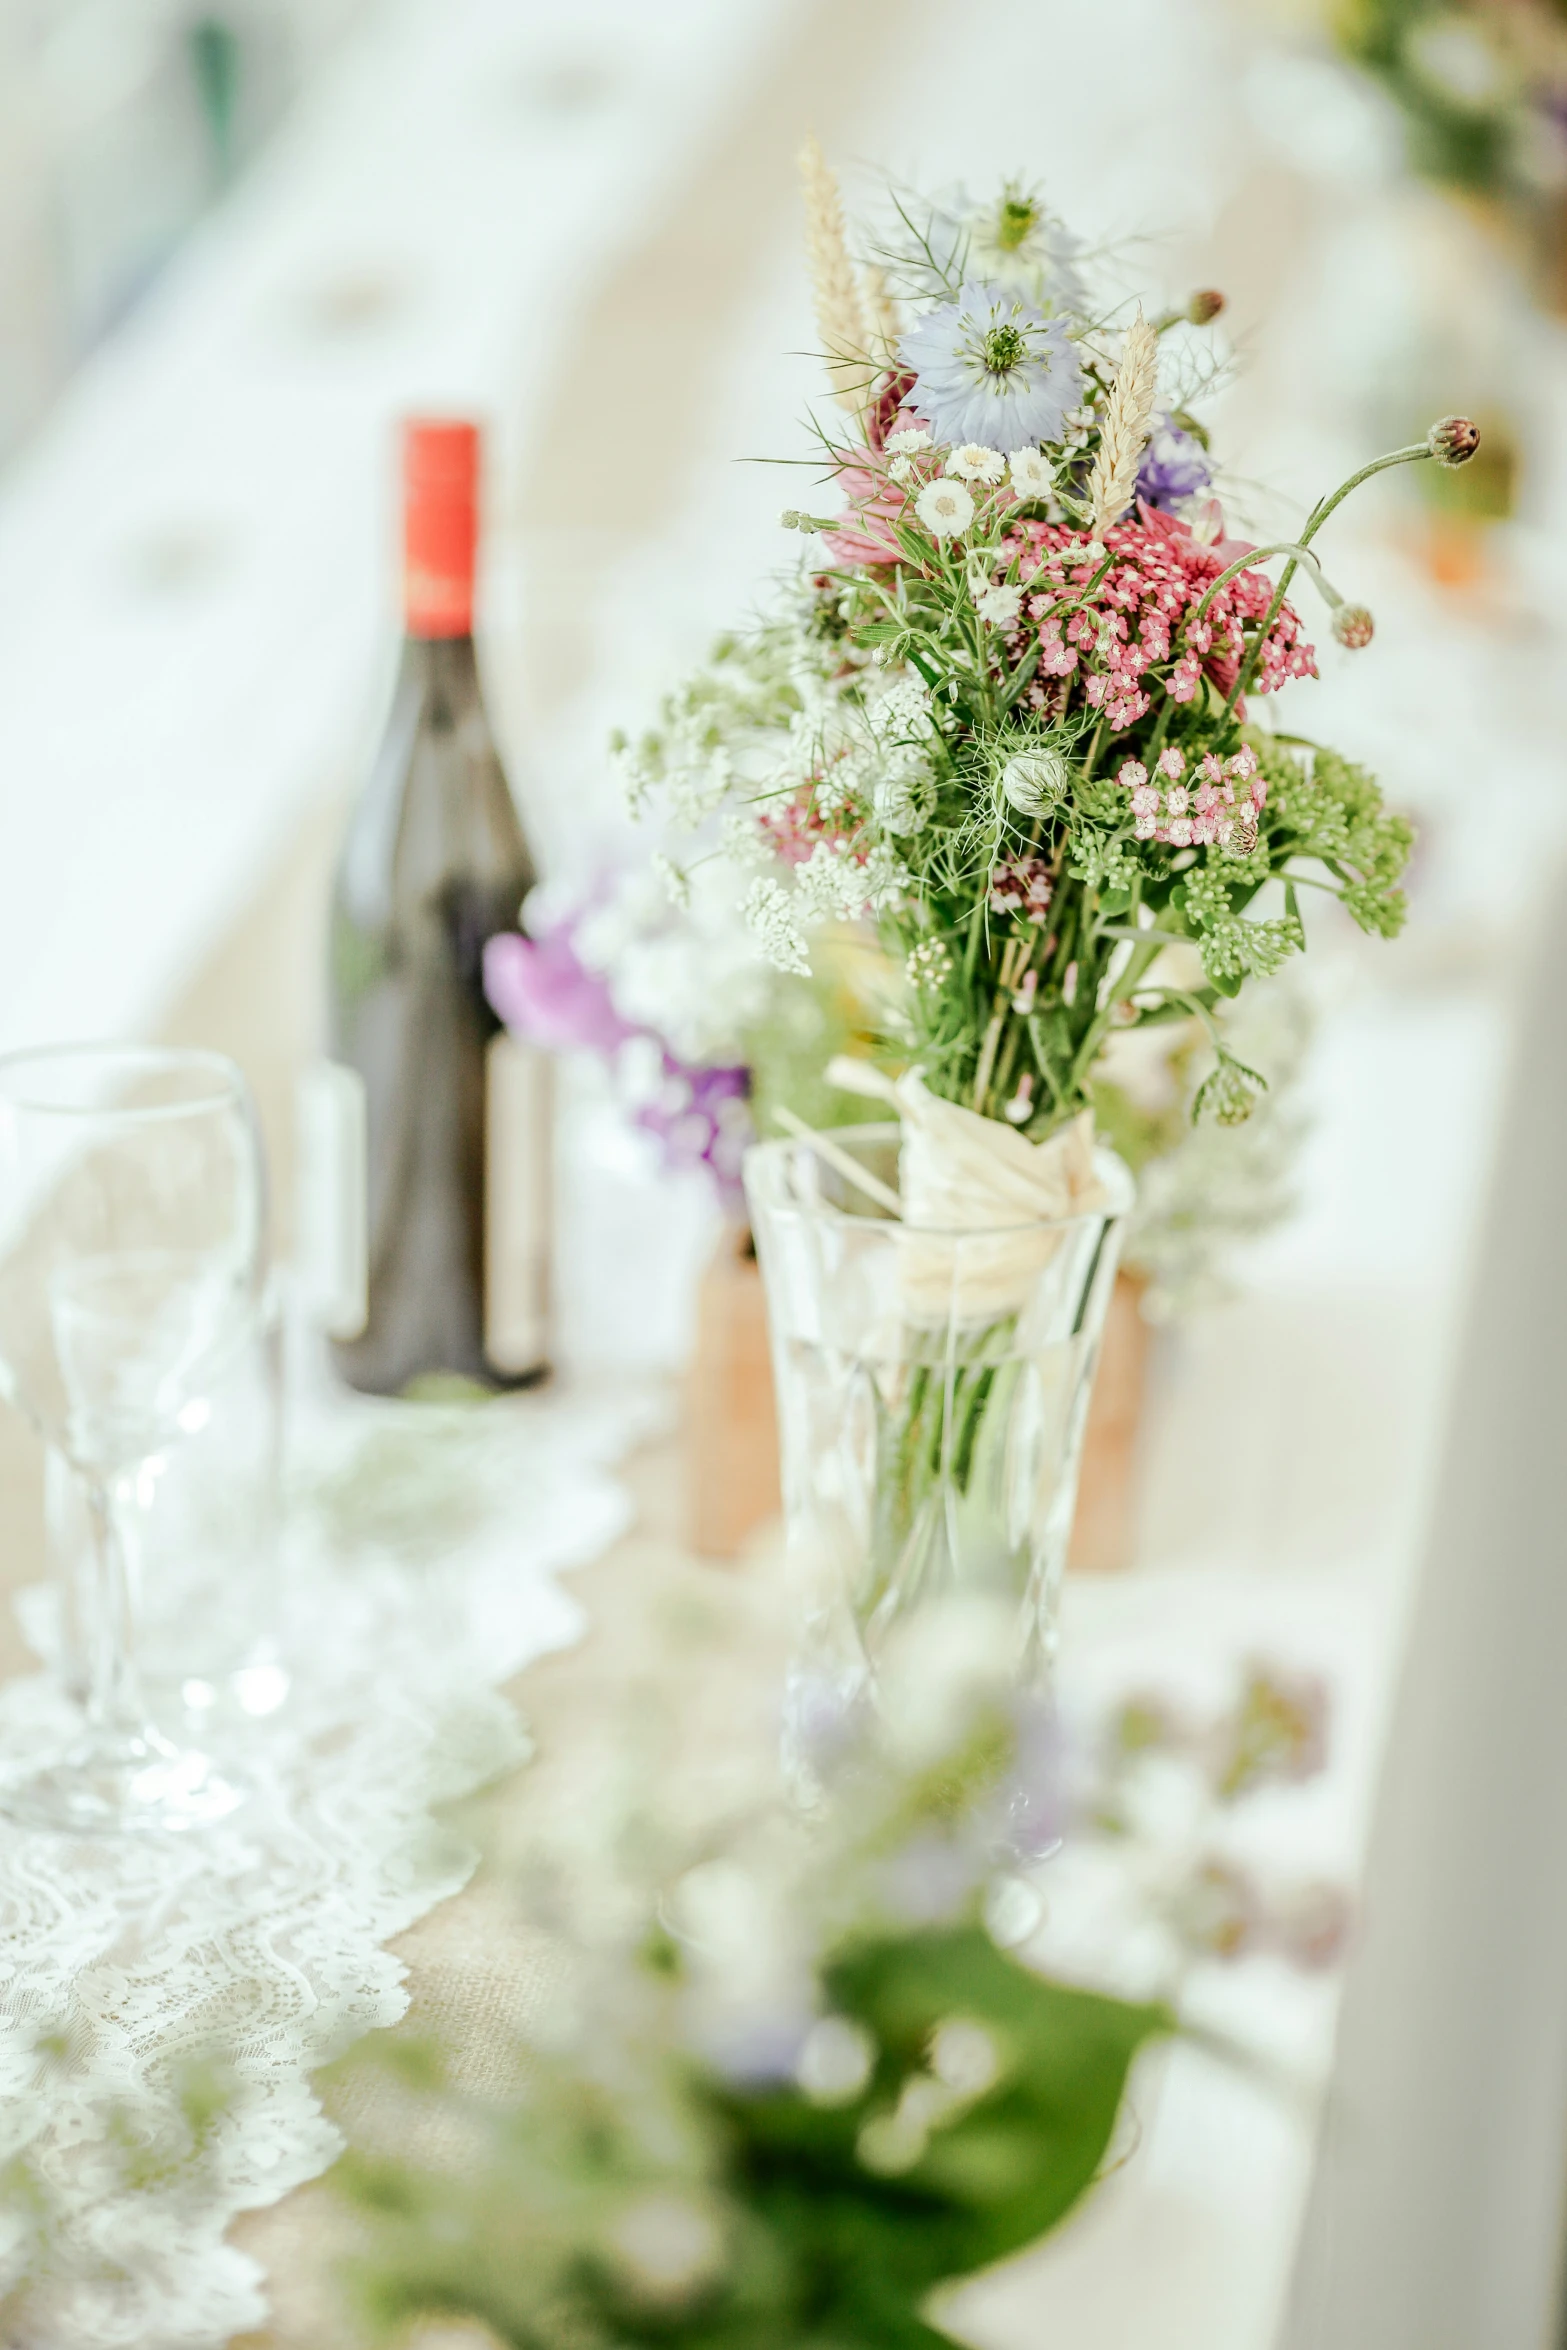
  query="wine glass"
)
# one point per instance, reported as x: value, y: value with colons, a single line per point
x: 132, y: 1207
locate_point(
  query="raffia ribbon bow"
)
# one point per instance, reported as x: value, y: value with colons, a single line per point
x: 982, y: 1207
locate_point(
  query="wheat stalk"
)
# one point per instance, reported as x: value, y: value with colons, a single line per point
x: 1124, y: 432
x: 840, y: 314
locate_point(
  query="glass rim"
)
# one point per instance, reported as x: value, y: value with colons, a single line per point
x: 226, y: 1090
x: 776, y: 1149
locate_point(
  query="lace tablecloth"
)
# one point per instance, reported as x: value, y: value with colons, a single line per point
x: 163, y: 2003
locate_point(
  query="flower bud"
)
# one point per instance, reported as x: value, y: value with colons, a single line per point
x: 1453, y: 440
x: 1034, y: 781
x: 1354, y: 626
x: 1238, y: 833
x: 1227, y: 1097
x: 1205, y: 306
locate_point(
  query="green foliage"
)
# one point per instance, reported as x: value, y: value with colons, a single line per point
x: 810, y: 2242
x: 1004, y: 2170
x: 1467, y: 140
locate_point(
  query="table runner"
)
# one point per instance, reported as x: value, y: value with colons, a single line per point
x: 137, y: 1974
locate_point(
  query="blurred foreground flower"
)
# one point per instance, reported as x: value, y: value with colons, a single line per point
x: 798, y: 2086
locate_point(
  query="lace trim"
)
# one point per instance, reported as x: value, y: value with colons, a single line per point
x: 124, y: 1965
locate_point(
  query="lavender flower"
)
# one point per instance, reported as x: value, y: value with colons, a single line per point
x: 697, y: 1113
x: 701, y: 1118
x: 542, y: 987
x: 1174, y: 466
x: 991, y: 368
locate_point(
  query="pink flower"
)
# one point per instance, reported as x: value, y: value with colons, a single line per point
x: 1023, y: 887
x: 1172, y: 762
x: 540, y: 987
x: 794, y: 826
x: 1145, y: 800
x: 864, y: 533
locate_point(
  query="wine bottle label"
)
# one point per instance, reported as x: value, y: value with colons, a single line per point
x: 333, y: 1199
x: 518, y: 1205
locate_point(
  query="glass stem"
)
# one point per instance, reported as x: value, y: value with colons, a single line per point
x: 115, y: 1709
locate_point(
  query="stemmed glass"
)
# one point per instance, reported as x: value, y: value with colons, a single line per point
x: 132, y: 1210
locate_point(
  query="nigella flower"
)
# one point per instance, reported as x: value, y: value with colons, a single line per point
x: 1174, y: 466
x: 989, y: 367
x: 1015, y: 242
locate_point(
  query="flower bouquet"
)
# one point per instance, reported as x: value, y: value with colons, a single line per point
x: 1011, y: 714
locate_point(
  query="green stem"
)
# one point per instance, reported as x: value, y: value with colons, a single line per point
x: 1088, y: 1051
x: 1318, y: 516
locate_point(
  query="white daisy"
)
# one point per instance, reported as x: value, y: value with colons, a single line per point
x: 974, y: 462
x: 945, y: 508
x: 903, y: 444
x: 1033, y: 475
x: 998, y: 605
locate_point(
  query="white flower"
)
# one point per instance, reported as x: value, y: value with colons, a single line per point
x: 1033, y: 475
x: 974, y: 462
x: 903, y: 444
x: 676, y: 880
x: 743, y: 842
x: 836, y: 2060
x: 901, y: 468
x: 669, y: 2244
x: 902, y: 713
x: 998, y: 605
x: 945, y: 508
x: 964, y: 2058
x: 831, y: 883
x: 769, y: 909
x: 904, y: 798
x: 639, y: 775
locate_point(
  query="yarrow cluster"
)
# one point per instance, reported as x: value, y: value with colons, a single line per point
x: 1203, y: 808
x: 1116, y: 615
x: 1011, y: 709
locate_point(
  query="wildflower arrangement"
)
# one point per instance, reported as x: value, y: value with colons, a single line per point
x: 1010, y: 708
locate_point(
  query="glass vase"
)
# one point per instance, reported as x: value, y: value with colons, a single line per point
x: 932, y: 1394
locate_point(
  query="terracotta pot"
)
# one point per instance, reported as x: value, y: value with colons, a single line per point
x: 732, y: 1441
x: 1104, y: 1530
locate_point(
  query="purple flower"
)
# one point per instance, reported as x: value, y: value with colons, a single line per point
x: 702, y: 1118
x: 1174, y: 466
x: 699, y: 1116
x: 542, y: 988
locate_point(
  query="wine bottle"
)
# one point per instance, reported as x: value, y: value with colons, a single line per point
x: 449, y: 1249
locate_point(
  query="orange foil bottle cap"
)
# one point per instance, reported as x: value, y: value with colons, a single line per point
x: 440, y: 524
